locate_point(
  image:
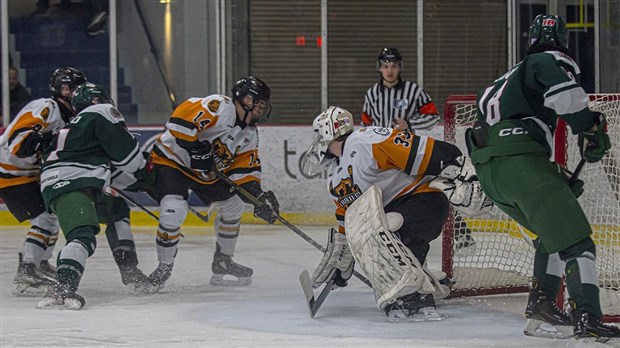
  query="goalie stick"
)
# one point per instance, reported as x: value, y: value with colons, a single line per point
x: 306, y: 286
x: 282, y: 220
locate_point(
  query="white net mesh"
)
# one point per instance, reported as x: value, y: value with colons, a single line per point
x: 501, y: 258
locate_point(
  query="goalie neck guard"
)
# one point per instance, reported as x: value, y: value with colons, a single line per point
x: 332, y: 124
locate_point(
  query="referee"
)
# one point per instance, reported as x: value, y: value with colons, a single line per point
x: 394, y: 102
x: 397, y: 103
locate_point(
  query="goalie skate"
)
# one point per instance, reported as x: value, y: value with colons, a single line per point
x: 61, y: 299
x: 412, y: 308
x: 28, y: 282
x: 227, y: 272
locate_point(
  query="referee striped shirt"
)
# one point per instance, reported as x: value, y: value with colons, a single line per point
x: 405, y: 100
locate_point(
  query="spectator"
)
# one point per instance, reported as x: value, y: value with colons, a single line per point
x: 97, y: 12
x: 19, y: 95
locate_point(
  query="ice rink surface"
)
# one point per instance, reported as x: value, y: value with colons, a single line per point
x: 271, y: 312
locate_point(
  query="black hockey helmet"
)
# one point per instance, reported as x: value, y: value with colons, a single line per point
x: 88, y: 94
x: 65, y: 76
x: 261, y: 98
x: 549, y: 31
x: 390, y: 55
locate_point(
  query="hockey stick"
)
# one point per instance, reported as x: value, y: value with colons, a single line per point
x: 204, y: 218
x: 306, y: 286
x: 577, y: 171
x: 116, y: 192
x: 260, y: 204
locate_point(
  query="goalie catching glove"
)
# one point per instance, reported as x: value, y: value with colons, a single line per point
x: 594, y: 142
x: 337, y: 262
x: 459, y: 182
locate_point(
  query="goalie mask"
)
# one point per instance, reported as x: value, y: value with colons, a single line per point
x: 332, y: 124
x: 548, y: 31
x: 254, y: 96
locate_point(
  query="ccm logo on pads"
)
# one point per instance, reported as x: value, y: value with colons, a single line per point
x: 512, y: 131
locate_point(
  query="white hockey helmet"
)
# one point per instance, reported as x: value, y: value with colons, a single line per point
x: 330, y: 125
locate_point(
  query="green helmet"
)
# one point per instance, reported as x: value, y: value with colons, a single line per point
x: 549, y: 30
x: 88, y: 94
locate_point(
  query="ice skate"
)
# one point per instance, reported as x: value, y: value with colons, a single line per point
x: 28, y: 282
x: 136, y: 279
x: 47, y: 270
x: 464, y: 240
x: 157, y: 279
x: 544, y: 319
x: 589, y: 328
x: 223, y: 265
x: 462, y: 236
x: 131, y: 275
x: 412, y: 307
x: 60, y: 297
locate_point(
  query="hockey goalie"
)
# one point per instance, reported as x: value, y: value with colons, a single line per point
x: 392, y: 190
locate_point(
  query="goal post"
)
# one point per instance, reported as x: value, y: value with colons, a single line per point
x: 501, y: 260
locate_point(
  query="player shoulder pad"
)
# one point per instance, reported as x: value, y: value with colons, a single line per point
x: 108, y: 111
x: 557, y: 58
x: 371, y: 134
x: 222, y: 108
x: 216, y: 103
x: 42, y: 108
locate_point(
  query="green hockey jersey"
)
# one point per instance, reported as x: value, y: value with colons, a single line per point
x: 534, y: 93
x: 86, y: 148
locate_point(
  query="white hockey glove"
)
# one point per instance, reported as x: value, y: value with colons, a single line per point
x: 459, y: 182
x: 337, y: 262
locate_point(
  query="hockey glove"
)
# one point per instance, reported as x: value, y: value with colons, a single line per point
x: 466, y: 197
x: 594, y: 142
x: 337, y: 262
x: 575, y: 186
x: 201, y: 157
x: 34, y: 144
x: 460, y: 168
x: 270, y: 209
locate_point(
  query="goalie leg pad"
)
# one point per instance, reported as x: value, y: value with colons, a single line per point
x: 388, y: 263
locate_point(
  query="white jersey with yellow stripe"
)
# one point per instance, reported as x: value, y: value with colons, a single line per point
x: 213, y: 119
x: 393, y: 160
x: 40, y: 115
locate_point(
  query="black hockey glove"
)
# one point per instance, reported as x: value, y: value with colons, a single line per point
x: 201, y: 157
x: 145, y: 177
x: 34, y: 144
x: 576, y: 186
x: 593, y: 144
x: 270, y: 209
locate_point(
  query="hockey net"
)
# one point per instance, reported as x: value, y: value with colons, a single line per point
x: 501, y: 258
